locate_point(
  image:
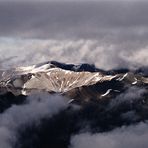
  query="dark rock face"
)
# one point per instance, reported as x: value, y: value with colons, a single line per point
x: 8, y: 99
x: 119, y: 97
x: 76, y: 68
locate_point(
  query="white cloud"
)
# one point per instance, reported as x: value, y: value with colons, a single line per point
x: 18, y: 52
x: 134, y: 136
x: 37, y: 107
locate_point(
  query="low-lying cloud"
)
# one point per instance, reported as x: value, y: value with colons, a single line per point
x: 22, y: 52
x: 130, y: 95
x: 134, y: 136
x: 36, y: 107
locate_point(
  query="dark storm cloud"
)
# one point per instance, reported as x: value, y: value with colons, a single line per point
x: 126, y: 20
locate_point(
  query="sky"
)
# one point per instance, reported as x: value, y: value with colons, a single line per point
x: 74, y: 20
x: 109, y: 34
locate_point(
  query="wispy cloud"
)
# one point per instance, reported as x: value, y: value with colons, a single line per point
x: 102, y: 54
x: 130, y: 95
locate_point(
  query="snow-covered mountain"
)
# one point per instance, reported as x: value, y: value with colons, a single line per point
x: 58, y: 77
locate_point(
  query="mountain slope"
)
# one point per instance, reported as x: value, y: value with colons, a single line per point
x: 96, y: 101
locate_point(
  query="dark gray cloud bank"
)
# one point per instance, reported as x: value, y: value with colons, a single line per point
x: 101, y: 20
x: 110, y: 34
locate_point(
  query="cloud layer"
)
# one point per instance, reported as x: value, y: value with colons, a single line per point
x: 109, y: 34
x: 133, y: 136
x: 21, y: 52
x: 37, y: 107
x: 116, y: 21
x: 129, y: 137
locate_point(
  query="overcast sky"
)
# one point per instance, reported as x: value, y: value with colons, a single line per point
x: 70, y: 0
x: 85, y: 20
x: 116, y: 31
